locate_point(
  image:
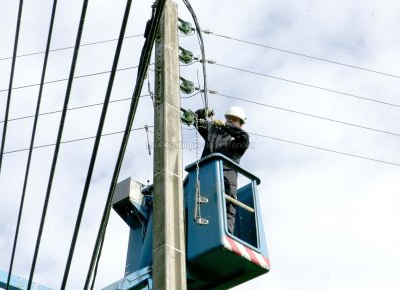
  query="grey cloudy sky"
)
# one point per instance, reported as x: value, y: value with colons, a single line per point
x: 331, y: 220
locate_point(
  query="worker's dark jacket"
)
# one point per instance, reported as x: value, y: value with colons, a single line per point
x: 229, y: 140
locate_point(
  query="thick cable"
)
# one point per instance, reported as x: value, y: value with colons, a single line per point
x: 60, y: 131
x: 97, y: 142
x: 202, y: 49
x: 96, y: 268
x: 327, y: 150
x: 71, y: 47
x: 302, y: 54
x: 28, y: 164
x: 310, y: 115
x: 143, y: 67
x: 3, y: 140
x: 308, y: 85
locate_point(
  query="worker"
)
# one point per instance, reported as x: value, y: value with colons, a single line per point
x: 229, y: 139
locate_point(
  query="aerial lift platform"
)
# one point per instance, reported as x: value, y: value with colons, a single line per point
x: 216, y: 258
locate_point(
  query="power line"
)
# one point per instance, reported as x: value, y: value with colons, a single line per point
x: 325, y: 149
x: 133, y: 67
x: 71, y: 47
x: 157, y: 10
x: 252, y: 133
x: 66, y: 79
x: 308, y: 85
x: 71, y: 141
x: 71, y: 109
x: 59, y: 135
x: 226, y: 37
x: 301, y: 54
x: 3, y: 140
x: 309, y: 115
x: 28, y: 164
x: 97, y: 142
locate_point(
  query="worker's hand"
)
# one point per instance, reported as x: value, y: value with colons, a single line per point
x: 219, y: 123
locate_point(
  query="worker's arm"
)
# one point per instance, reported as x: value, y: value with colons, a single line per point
x: 241, y: 141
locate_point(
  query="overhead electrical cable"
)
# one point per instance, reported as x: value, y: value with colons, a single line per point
x: 301, y: 54
x: 208, y: 32
x: 141, y: 76
x: 4, y: 134
x: 252, y: 133
x: 229, y: 67
x: 59, y: 135
x: 66, y: 79
x: 218, y: 94
x: 327, y: 150
x: 309, y: 115
x: 28, y: 164
x: 132, y: 67
x: 71, y: 141
x: 70, y: 109
x: 71, y: 47
x: 97, y: 142
x: 308, y: 85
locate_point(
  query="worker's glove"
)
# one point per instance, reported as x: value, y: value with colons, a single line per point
x: 219, y: 123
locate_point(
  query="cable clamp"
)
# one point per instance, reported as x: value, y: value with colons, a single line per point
x: 210, y: 61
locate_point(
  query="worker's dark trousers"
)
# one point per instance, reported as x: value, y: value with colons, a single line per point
x: 230, y: 183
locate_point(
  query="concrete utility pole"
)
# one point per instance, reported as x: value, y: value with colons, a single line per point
x: 169, y: 260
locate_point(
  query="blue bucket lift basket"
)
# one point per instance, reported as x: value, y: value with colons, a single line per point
x: 217, y: 259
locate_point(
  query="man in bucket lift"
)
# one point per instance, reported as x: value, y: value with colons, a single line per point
x: 230, y: 140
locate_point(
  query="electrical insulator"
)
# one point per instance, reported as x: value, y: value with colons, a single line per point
x: 185, y: 56
x: 188, y: 117
x: 186, y: 86
x: 185, y: 27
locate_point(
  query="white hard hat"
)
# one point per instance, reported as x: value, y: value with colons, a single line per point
x: 236, y: 112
